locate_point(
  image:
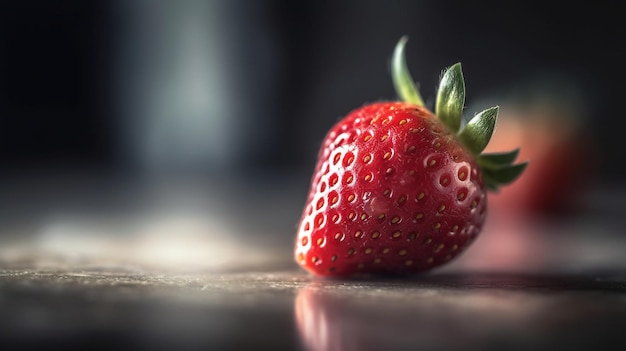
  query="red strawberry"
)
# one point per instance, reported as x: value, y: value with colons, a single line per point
x: 398, y: 189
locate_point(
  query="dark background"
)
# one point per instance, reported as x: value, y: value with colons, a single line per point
x: 297, y: 67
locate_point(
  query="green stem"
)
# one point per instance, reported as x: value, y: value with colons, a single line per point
x: 478, y: 131
x: 451, y: 97
x: 402, y: 81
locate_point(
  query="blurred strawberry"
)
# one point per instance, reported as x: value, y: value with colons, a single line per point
x: 561, y: 167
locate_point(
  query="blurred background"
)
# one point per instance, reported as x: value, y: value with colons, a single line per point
x: 183, y: 133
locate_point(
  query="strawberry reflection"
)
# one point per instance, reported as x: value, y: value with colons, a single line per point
x: 320, y: 318
x: 330, y: 317
x: 421, y: 313
x: 359, y: 315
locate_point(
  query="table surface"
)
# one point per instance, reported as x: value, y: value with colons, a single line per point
x: 543, y: 286
x: 74, y: 307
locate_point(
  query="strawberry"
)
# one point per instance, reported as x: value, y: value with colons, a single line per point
x: 398, y: 189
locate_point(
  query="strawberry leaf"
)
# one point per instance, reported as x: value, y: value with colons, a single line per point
x: 451, y: 97
x: 477, y: 133
x: 497, y: 159
x: 491, y: 184
x: 505, y: 174
x: 402, y: 81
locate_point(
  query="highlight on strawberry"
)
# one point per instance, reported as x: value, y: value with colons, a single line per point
x: 398, y: 189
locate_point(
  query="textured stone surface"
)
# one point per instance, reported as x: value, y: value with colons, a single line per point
x: 63, y: 305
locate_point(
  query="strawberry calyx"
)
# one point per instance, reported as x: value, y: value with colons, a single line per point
x: 498, y: 168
